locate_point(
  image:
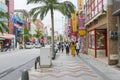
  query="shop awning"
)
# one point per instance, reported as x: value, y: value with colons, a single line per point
x: 7, y: 36
x: 2, y: 38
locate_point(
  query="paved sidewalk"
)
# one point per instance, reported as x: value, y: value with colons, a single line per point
x: 82, y: 67
x: 104, y: 70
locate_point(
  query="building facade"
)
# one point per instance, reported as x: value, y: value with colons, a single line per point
x: 36, y: 25
x: 10, y: 5
x: 8, y: 37
x: 100, y: 24
x: 20, y: 19
x: 116, y: 12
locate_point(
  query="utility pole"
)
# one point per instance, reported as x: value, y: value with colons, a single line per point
x: 62, y: 27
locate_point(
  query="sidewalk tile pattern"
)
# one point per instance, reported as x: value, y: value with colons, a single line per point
x: 65, y: 67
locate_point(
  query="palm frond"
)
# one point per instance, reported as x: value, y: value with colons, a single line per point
x: 66, y: 8
x: 40, y: 12
x: 3, y: 27
x: 4, y: 14
x: 38, y: 33
x: 44, y: 12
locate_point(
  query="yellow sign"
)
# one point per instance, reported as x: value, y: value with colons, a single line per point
x: 74, y: 22
x: 82, y: 32
x: 80, y: 5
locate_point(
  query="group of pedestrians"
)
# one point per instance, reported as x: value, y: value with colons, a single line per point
x: 73, y: 47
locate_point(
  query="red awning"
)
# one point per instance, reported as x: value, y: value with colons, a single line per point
x: 6, y: 37
x: 18, y: 26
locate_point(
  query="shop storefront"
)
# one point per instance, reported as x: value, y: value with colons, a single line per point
x: 98, y: 43
x: 1, y: 43
x: 101, y: 25
x: 6, y: 38
x: 18, y: 30
x: 116, y: 12
x: 82, y: 40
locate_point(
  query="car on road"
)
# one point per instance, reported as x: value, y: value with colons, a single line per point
x: 37, y: 45
x: 28, y: 45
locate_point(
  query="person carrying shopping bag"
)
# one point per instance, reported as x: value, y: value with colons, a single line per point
x: 73, y: 49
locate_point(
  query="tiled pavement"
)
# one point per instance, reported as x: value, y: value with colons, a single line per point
x: 66, y: 67
x: 104, y: 70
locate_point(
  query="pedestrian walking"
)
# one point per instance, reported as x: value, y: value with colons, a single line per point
x: 77, y: 47
x: 73, y: 49
x: 62, y: 46
x: 8, y: 46
x: 67, y: 48
x: 59, y: 47
x: 12, y: 45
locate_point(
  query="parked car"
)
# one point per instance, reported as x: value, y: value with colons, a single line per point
x: 38, y: 46
x: 28, y: 45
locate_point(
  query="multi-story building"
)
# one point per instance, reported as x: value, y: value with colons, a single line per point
x: 23, y: 14
x: 10, y: 5
x: 7, y: 6
x: 100, y: 25
x: 36, y: 25
x: 67, y: 29
x: 116, y: 12
x: 21, y: 17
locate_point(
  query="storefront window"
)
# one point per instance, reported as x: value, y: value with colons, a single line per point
x: 93, y: 45
x: 91, y: 40
x: 100, y: 39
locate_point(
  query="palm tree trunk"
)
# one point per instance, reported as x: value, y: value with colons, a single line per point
x: 52, y: 19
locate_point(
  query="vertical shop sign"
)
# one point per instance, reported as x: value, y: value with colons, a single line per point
x: 73, y: 36
x: 80, y: 5
x: 69, y: 30
x: 74, y: 22
x: 70, y: 20
x: 81, y: 21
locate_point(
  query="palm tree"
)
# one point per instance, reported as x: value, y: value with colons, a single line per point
x: 66, y: 8
x: 3, y: 22
x: 38, y: 33
x: 26, y: 34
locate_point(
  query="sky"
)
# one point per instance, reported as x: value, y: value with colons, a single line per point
x: 58, y: 20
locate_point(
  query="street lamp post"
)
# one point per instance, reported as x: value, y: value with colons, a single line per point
x: 62, y: 27
x: 23, y: 39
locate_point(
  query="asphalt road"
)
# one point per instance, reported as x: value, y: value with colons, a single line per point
x: 13, y: 63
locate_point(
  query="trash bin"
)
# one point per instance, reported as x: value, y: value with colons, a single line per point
x: 45, y: 57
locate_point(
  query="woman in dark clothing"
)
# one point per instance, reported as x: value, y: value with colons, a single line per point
x: 59, y: 46
x: 67, y: 48
x: 62, y: 46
